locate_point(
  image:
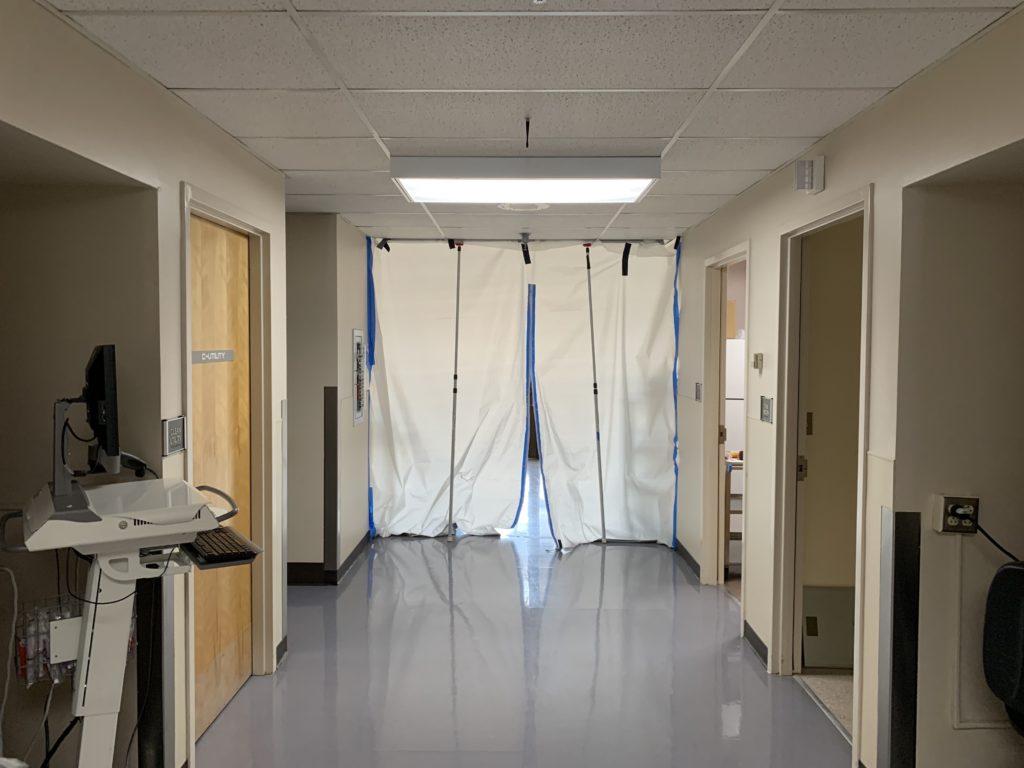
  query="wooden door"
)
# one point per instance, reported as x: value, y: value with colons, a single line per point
x: 220, y: 427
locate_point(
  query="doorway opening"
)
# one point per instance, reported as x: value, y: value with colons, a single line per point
x: 229, y: 616
x: 732, y: 418
x: 828, y: 270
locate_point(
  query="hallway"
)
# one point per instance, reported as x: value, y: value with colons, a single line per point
x: 501, y: 653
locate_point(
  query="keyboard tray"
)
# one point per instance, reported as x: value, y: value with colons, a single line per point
x: 220, y: 548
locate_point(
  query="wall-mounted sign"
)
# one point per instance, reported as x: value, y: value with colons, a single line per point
x: 358, y: 376
x: 212, y: 356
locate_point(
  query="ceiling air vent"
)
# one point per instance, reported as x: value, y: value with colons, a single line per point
x: 810, y: 175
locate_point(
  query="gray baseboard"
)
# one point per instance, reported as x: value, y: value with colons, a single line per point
x: 755, y: 641
x: 316, y: 574
x: 689, y: 559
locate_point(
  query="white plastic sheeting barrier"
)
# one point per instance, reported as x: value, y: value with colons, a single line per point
x: 635, y: 343
x: 410, y: 389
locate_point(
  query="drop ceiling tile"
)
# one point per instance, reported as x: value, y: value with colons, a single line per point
x: 732, y: 154
x: 514, y: 6
x: 254, y: 114
x: 658, y: 222
x: 414, y: 233
x: 860, y: 49
x: 666, y: 234
x: 213, y: 50
x: 579, y: 147
x: 706, y: 182
x: 357, y: 204
x: 779, y: 113
x: 531, y: 52
x: 339, y: 183
x: 552, y: 115
x: 842, y: 4
x: 389, y: 220
x: 168, y: 5
x: 321, y: 154
x: 568, y: 232
x: 679, y: 204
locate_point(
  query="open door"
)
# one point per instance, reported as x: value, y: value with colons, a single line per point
x: 828, y: 435
x: 221, y: 444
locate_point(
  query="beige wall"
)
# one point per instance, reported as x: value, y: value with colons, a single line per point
x: 958, y: 432
x: 312, y: 365
x: 327, y: 300
x: 354, y: 449
x: 56, y: 84
x: 77, y: 268
x: 957, y: 110
x: 830, y: 358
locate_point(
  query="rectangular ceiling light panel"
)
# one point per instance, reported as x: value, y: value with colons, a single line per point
x: 524, y: 180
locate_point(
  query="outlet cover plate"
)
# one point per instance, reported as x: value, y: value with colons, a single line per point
x: 767, y: 407
x: 965, y: 522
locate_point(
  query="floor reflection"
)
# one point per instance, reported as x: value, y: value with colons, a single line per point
x: 502, y: 652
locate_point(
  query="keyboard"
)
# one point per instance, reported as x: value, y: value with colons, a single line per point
x: 219, y: 548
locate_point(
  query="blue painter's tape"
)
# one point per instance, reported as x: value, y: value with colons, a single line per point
x: 675, y: 392
x: 531, y: 362
x: 371, y: 344
x: 526, y: 428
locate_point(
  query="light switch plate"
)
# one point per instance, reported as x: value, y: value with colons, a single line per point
x: 698, y: 392
x: 174, y: 435
x: 767, y: 406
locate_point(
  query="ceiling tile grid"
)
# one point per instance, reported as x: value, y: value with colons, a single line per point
x: 213, y: 50
x: 852, y: 49
x: 531, y: 51
x: 553, y: 115
x: 279, y: 113
x: 311, y: 85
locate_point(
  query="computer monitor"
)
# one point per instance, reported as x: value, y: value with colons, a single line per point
x: 100, y: 396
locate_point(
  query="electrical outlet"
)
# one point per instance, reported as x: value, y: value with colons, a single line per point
x: 767, y: 404
x: 958, y: 514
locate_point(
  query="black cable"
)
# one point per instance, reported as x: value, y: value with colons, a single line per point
x: 149, y: 676
x: 46, y: 734
x: 67, y: 579
x: 997, y: 545
x: 76, y: 436
x: 60, y: 740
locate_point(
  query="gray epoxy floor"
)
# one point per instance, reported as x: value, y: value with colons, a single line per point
x: 501, y: 653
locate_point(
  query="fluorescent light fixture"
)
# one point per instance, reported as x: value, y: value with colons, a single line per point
x: 523, y: 180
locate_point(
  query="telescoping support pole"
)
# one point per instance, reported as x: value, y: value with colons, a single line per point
x: 455, y: 391
x: 597, y: 412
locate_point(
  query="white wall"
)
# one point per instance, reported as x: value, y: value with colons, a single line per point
x: 958, y: 432
x: 959, y: 109
x: 326, y: 300
x: 78, y: 268
x: 353, y: 451
x: 56, y: 84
